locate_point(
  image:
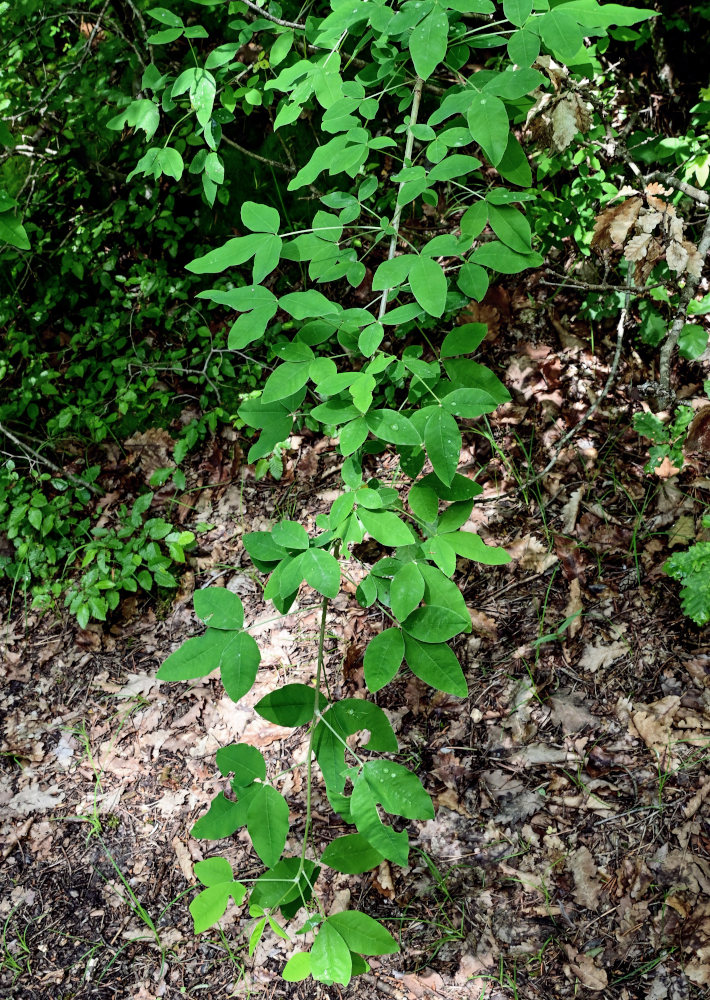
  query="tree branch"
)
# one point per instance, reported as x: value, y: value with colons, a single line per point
x: 47, y: 462
x: 270, y: 17
x: 257, y: 156
x: 665, y: 394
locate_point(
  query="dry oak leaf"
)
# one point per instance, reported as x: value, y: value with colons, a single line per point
x: 645, y: 266
x: 584, y: 968
x: 694, y: 267
x: 637, y: 247
x: 698, y: 968
x: 654, y: 188
x: 587, y: 886
x: 676, y: 257
x: 569, y: 116
x: 666, y: 469
x: 33, y: 799
x: 600, y: 655
x: 648, y: 220
x: 612, y: 226
x: 653, y: 723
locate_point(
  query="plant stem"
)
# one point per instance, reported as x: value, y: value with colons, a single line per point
x: 409, y: 145
x: 316, y: 708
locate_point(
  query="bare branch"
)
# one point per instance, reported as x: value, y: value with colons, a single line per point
x: 47, y: 462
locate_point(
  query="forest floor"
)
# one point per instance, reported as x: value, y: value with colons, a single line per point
x: 570, y: 851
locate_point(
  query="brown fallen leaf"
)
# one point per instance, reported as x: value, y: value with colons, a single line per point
x: 586, y: 970
x: 666, y: 469
x: 587, y: 885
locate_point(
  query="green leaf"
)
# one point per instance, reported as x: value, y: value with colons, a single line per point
x: 290, y: 535
x: 524, y: 47
x: 239, y: 665
x: 429, y: 286
x: 391, y: 426
x: 473, y: 281
x: 692, y: 341
x: 511, y: 227
x: 435, y: 623
x: 321, y: 570
x: 436, y: 664
x: 303, y: 305
x: 197, y: 657
x: 164, y: 37
x: 517, y: 11
x: 277, y: 888
x: 330, y: 957
x: 260, y: 218
x: 231, y: 254
x: 255, y: 936
x: 344, y: 719
x: 488, y: 121
x: 366, y: 593
x: 440, y: 552
x: 451, y: 168
x: 285, y: 380
x: 262, y: 546
x: 398, y: 791
x: 592, y: 14
x: 353, y: 435
x: 470, y: 403
x: 143, y: 114
x: 281, y: 48
x: 383, y: 657
x: 218, y: 608
x: 501, y: 258
x: 221, y: 819
x: 370, y: 339
x: 13, y: 232
x: 364, y: 813
x: 428, y: 42
x: 290, y: 705
x: 561, y: 33
x: 212, y: 871
x: 471, y: 546
x: 209, y: 905
x: 352, y: 855
x: 406, y: 592
x: 165, y: 16
x: 392, y: 273
x: 423, y: 502
x: 442, y: 439
x: 464, y: 339
x: 298, y: 966
x: 514, y: 166
x: 221, y: 55
x: 267, y: 824
x: 245, y: 762
x: 385, y: 527
x: 362, y: 934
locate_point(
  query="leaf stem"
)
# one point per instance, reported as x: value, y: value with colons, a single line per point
x: 409, y: 145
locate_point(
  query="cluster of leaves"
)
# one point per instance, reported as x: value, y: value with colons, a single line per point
x: 99, y: 335
x: 50, y: 538
x: 139, y: 553
x: 374, y: 371
x: 692, y: 569
x: 668, y: 438
x: 45, y: 519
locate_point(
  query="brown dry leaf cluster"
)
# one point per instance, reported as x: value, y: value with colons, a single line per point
x: 648, y: 229
x: 558, y: 116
